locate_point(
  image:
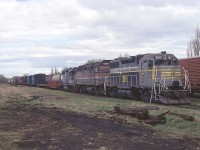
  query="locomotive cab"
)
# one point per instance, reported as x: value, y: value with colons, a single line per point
x: 161, y: 79
x: 67, y: 78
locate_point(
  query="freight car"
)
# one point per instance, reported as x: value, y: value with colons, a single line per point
x: 29, y: 80
x: 55, y: 82
x: 149, y: 77
x: 21, y: 80
x: 15, y: 80
x: 192, y: 66
x: 38, y: 80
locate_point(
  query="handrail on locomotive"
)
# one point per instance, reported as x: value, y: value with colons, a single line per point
x: 162, y: 88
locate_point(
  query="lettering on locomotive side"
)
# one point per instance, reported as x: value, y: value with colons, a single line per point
x: 173, y: 72
x: 124, y: 79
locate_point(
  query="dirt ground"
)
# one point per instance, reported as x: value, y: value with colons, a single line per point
x: 25, y: 126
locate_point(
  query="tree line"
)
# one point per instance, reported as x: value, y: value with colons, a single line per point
x: 3, y: 79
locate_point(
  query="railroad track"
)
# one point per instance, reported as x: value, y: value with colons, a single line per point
x: 189, y: 106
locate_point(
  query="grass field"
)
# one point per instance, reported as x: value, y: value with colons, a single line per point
x: 95, y: 106
x: 37, y: 118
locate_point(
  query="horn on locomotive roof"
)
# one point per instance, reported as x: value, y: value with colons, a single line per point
x: 163, y: 52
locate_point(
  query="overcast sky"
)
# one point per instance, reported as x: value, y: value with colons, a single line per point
x: 36, y: 35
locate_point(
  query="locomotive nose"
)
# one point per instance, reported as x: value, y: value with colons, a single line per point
x: 169, y: 76
x: 169, y: 85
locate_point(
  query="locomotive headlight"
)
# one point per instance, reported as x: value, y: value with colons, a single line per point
x: 166, y: 88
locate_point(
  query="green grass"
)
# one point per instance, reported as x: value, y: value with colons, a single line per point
x: 92, y: 105
x: 7, y: 140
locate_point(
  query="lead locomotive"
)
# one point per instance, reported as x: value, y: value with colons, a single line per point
x: 149, y: 77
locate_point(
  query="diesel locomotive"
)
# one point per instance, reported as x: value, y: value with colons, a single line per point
x: 149, y: 77
x: 88, y: 78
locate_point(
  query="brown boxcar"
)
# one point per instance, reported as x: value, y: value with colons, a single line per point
x: 21, y: 80
x: 48, y: 78
x: 192, y: 65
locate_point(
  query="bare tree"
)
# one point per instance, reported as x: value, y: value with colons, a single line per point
x: 123, y: 55
x: 52, y: 71
x: 93, y: 61
x: 126, y: 55
x: 193, y: 48
x: 56, y: 71
x: 3, y: 79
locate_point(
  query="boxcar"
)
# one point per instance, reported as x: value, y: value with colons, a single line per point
x: 26, y: 80
x: 21, y: 80
x: 38, y: 80
x: 48, y: 78
x: 192, y: 66
x: 29, y: 80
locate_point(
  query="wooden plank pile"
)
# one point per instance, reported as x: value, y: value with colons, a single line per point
x: 142, y: 113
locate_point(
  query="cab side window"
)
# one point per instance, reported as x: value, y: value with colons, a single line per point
x: 150, y: 64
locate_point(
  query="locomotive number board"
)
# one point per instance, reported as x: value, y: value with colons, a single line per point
x: 161, y: 57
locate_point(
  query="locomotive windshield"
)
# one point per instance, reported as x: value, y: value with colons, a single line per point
x: 163, y: 60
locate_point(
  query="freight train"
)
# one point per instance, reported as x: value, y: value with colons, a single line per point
x: 155, y: 77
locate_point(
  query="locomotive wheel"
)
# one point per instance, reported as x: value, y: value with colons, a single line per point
x: 145, y: 95
x: 101, y: 90
x: 97, y: 90
x: 113, y: 92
